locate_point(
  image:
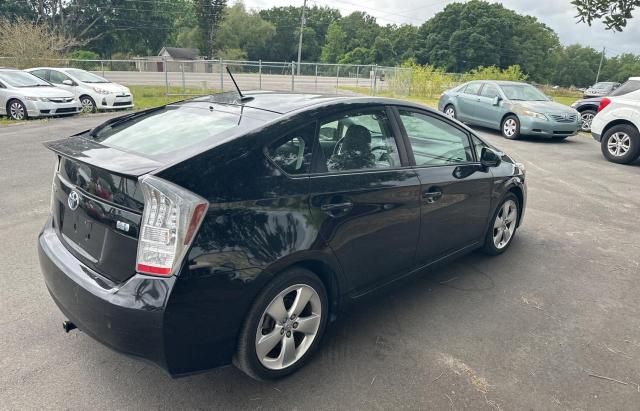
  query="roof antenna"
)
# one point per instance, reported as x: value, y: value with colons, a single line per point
x: 242, y: 97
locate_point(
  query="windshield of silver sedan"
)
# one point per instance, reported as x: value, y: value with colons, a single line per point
x: 523, y: 92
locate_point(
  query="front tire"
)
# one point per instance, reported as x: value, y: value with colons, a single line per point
x: 284, y: 326
x: 621, y: 144
x: 587, y: 117
x: 450, y: 111
x: 503, y: 226
x: 88, y: 105
x: 510, y: 127
x: 16, y: 110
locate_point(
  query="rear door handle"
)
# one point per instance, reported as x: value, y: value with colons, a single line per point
x: 344, y: 206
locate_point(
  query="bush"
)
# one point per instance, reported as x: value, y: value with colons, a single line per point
x: 85, y: 55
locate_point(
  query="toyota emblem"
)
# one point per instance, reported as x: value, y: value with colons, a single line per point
x: 73, y: 200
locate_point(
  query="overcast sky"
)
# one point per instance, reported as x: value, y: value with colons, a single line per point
x: 557, y: 14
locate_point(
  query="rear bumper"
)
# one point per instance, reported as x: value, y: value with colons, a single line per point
x: 184, y: 334
x: 127, y: 317
x: 544, y: 128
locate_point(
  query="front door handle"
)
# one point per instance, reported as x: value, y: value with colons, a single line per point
x: 432, y: 196
x: 332, y: 207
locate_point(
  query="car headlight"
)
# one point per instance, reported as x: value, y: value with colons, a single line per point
x: 101, y: 90
x: 530, y: 113
x: 37, y: 98
x: 574, y: 105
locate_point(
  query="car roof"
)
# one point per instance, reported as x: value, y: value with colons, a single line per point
x: 634, y: 78
x: 287, y: 102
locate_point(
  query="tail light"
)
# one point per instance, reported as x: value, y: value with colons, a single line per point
x: 603, y: 103
x: 171, y: 217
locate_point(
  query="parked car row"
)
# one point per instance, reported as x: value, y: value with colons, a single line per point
x: 518, y: 109
x: 48, y: 91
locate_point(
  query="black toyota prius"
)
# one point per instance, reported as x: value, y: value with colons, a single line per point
x: 231, y: 228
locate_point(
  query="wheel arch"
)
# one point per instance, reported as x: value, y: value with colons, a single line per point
x: 507, y: 114
x: 325, y: 266
x: 617, y: 122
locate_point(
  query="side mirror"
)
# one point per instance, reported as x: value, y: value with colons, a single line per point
x: 489, y: 158
x: 496, y: 100
x: 67, y: 82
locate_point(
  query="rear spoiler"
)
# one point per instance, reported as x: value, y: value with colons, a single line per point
x: 82, y: 149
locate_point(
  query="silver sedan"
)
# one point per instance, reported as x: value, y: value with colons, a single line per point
x: 23, y: 95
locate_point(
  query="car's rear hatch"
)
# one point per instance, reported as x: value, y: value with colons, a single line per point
x: 97, y: 204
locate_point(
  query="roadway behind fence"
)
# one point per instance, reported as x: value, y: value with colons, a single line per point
x: 193, y: 77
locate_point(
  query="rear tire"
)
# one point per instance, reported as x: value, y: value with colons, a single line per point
x: 503, y: 226
x: 510, y: 127
x: 279, y: 335
x: 16, y: 110
x: 621, y: 144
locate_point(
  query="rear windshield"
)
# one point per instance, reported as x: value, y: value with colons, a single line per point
x: 167, y: 130
x: 628, y: 87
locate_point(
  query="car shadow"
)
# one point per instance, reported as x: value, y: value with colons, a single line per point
x: 373, y: 334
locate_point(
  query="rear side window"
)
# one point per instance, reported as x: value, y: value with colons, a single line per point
x: 292, y: 153
x: 472, y: 88
x: 364, y: 141
x: 628, y: 87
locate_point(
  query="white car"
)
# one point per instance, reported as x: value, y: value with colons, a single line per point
x: 93, y: 91
x: 617, y: 124
x: 23, y: 95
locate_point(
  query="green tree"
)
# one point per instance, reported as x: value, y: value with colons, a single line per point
x: 614, y: 13
x: 334, y: 46
x: 246, y: 31
x: 477, y: 33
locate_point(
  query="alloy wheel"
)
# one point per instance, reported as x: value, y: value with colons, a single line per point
x: 510, y: 127
x: 87, y: 105
x: 619, y: 144
x: 505, y: 224
x: 288, y: 327
x: 450, y: 112
x: 16, y: 110
x: 587, y: 118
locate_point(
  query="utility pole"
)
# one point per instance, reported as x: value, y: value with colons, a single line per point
x: 600, y: 66
x: 304, y: 6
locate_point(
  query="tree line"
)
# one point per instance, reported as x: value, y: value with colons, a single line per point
x: 459, y: 38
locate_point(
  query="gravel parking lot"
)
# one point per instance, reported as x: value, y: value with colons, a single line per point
x: 554, y: 323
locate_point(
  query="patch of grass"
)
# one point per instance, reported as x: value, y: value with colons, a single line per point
x: 153, y: 96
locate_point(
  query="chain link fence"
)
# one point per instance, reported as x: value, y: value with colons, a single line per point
x: 195, y: 77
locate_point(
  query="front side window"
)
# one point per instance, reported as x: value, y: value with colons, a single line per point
x: 292, y: 153
x: 435, y: 142
x: 489, y: 90
x: 57, y: 77
x: 359, y: 141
